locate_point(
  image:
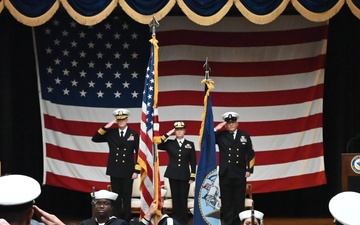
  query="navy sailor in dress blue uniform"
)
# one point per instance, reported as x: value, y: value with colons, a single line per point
x: 122, y: 168
x: 237, y: 159
x: 182, y: 155
x: 104, y: 201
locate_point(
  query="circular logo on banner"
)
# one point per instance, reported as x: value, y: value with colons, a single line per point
x: 355, y: 164
x: 209, y: 198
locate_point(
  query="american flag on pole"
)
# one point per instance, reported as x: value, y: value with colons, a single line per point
x: 272, y: 75
x: 150, y: 178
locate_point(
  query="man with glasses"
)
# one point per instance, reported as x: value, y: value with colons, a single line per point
x: 245, y: 217
x: 123, y: 145
x: 103, y: 210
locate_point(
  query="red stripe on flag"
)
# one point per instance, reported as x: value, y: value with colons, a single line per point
x: 234, y: 99
x: 248, y: 69
x: 243, y: 39
x: 288, y: 183
x: 78, y: 157
x: 76, y: 184
x: 288, y: 155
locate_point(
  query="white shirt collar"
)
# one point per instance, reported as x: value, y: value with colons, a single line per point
x: 123, y: 130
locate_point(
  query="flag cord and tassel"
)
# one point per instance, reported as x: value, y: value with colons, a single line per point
x: 210, y: 85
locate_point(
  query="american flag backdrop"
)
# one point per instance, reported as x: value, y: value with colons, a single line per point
x: 272, y: 75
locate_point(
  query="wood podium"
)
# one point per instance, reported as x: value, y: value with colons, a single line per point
x: 348, y: 171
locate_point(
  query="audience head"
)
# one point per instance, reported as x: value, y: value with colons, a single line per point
x: 17, y: 195
x: 104, y: 201
x: 344, y: 207
x: 245, y: 217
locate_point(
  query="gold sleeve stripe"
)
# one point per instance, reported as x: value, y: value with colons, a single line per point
x: 193, y: 175
x: 163, y: 137
x: 101, y: 131
x: 137, y: 167
x: 252, y: 163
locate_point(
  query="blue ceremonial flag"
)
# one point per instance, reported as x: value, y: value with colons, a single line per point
x: 207, y: 191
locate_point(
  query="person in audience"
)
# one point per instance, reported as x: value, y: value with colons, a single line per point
x: 164, y: 219
x: 182, y: 158
x: 122, y: 168
x: 103, y: 210
x: 246, y: 217
x: 237, y: 159
x: 17, y: 195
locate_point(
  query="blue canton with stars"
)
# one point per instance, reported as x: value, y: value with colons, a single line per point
x: 148, y: 94
x: 98, y: 66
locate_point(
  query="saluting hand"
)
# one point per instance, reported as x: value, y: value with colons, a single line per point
x: 170, y: 132
x: 47, y: 218
x: 219, y: 126
x: 110, y: 124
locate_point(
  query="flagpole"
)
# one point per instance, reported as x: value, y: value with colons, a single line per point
x: 207, y: 68
x: 153, y: 24
x: 206, y: 210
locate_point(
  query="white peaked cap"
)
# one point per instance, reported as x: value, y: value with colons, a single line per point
x: 230, y: 116
x: 247, y: 214
x: 121, y: 114
x: 344, y: 207
x: 18, y: 189
x: 104, y: 194
x: 163, y: 192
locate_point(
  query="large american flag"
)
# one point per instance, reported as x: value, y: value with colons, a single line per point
x: 272, y: 75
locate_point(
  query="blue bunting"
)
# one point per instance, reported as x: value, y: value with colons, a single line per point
x: 203, y: 12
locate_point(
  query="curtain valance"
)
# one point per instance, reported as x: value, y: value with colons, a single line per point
x: 203, y: 12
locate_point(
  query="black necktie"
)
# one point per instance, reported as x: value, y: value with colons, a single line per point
x: 121, y: 133
x: 232, y: 135
x: 180, y: 143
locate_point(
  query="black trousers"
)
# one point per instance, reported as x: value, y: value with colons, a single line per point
x: 122, y: 206
x: 232, y: 199
x: 179, y: 195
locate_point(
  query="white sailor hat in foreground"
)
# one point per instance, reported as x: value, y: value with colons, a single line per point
x: 104, y: 194
x: 18, y: 189
x: 344, y: 207
x: 247, y: 214
x: 230, y: 117
x: 121, y: 114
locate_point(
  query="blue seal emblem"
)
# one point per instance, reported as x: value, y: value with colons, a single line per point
x: 355, y: 164
x: 209, y: 198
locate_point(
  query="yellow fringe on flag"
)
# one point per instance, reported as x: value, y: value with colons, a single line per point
x: 210, y: 85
